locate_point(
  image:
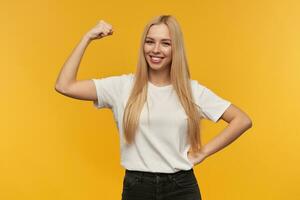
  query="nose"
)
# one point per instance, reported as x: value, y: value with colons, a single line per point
x: 156, y: 48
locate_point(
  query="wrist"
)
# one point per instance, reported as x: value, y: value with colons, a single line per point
x: 199, y: 156
x: 86, y: 38
x: 203, y: 152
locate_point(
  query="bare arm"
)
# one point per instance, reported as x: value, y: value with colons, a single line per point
x: 67, y: 83
x: 238, y: 122
x: 69, y: 70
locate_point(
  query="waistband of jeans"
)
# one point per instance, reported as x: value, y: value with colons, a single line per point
x: 154, y: 174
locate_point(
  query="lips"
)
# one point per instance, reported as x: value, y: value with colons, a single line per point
x: 156, y: 59
x: 156, y: 56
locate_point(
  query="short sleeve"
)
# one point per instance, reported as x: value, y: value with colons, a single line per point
x: 109, y: 91
x: 211, y: 104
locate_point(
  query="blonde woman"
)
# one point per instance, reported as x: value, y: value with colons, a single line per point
x: 158, y: 111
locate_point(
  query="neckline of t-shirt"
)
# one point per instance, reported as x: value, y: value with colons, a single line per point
x: 165, y: 87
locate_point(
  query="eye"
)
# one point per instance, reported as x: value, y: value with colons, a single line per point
x: 167, y: 43
x: 149, y: 41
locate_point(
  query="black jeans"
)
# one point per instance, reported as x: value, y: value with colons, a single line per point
x: 181, y: 185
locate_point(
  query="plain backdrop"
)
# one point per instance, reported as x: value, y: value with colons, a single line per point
x: 56, y: 148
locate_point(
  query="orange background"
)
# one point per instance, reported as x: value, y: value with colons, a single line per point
x: 55, y: 147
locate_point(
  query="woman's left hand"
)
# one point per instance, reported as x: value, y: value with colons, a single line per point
x: 196, y: 158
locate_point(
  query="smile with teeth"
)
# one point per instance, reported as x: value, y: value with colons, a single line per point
x: 155, y: 59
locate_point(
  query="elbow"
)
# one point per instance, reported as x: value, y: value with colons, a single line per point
x: 247, y: 121
x: 56, y: 88
x: 59, y: 89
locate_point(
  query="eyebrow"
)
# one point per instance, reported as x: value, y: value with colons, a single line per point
x: 162, y: 39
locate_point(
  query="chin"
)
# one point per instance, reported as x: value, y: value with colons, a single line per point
x: 156, y: 67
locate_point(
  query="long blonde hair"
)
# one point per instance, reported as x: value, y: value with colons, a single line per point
x: 180, y: 79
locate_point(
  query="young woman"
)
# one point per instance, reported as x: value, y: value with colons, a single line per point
x: 158, y: 111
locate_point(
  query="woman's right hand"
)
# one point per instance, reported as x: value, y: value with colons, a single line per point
x: 101, y: 30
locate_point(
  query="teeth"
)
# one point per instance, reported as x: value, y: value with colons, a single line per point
x: 156, y: 59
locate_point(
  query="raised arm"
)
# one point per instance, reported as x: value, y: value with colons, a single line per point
x: 67, y: 83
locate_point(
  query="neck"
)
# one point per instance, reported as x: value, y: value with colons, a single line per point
x: 159, y: 78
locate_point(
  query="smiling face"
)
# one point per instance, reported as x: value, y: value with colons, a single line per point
x: 157, y: 47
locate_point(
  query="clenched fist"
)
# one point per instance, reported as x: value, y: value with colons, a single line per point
x: 101, y: 30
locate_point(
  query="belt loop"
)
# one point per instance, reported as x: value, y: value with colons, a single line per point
x: 170, y: 177
x: 141, y: 176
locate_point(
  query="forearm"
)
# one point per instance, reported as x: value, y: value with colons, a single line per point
x: 233, y: 130
x: 69, y: 70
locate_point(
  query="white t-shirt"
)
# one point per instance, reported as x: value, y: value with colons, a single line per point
x: 161, y: 143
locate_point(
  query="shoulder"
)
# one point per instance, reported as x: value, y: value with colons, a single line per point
x: 125, y: 77
x: 197, y: 87
x: 113, y: 83
x: 128, y: 77
x: 120, y: 79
